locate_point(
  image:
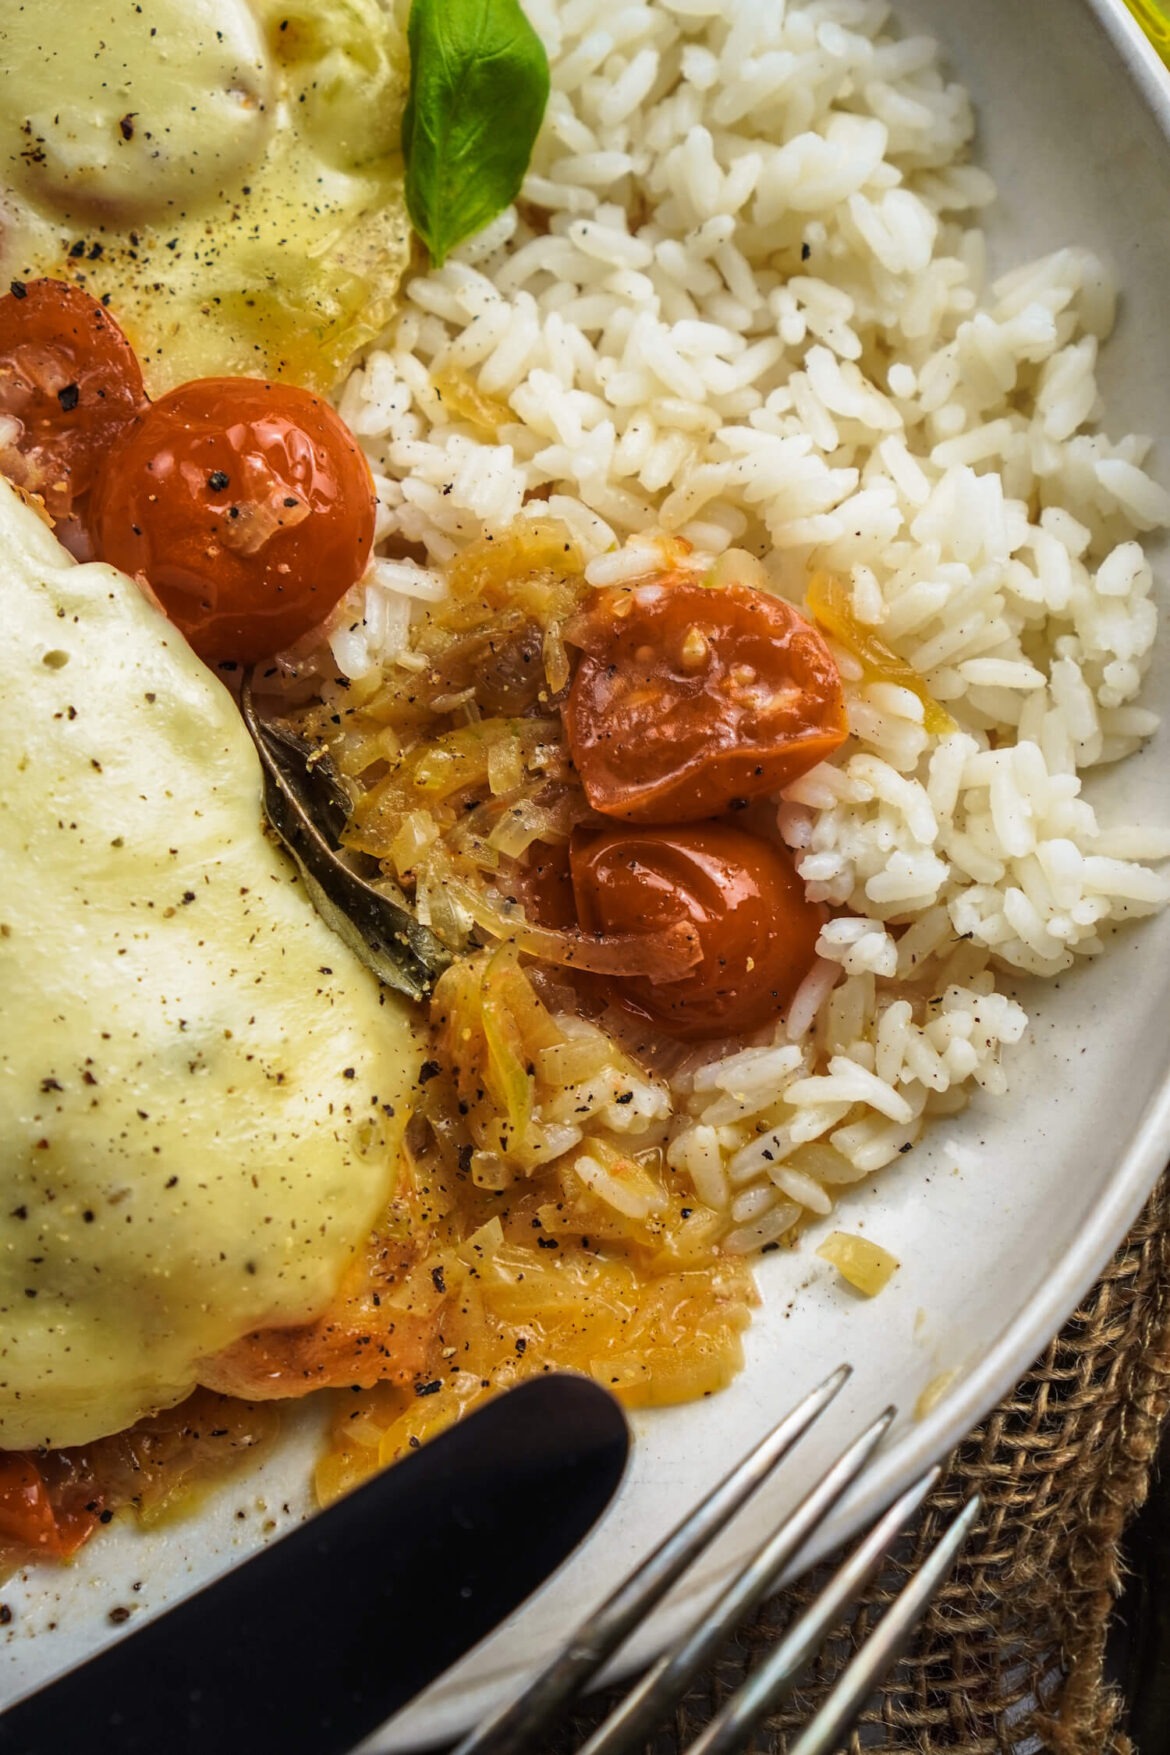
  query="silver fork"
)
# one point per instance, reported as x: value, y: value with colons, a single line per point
x: 522, y: 1727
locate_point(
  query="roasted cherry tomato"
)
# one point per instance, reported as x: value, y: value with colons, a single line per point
x: 687, y: 698
x: 546, y: 885
x: 246, y: 506
x: 757, y: 932
x: 71, y: 383
x: 27, y: 1514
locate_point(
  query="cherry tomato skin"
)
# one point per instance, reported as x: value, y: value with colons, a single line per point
x: 687, y: 698
x: 248, y: 508
x: 546, y: 885
x: 70, y: 379
x: 757, y: 932
x: 27, y: 1514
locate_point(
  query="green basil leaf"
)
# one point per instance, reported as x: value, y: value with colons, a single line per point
x: 478, y: 87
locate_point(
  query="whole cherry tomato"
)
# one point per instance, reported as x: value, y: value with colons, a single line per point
x: 757, y: 932
x: 70, y: 382
x: 687, y: 698
x: 247, y: 507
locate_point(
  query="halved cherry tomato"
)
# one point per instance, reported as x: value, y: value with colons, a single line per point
x: 247, y: 507
x: 757, y: 931
x: 687, y: 698
x: 69, y: 378
x: 27, y: 1514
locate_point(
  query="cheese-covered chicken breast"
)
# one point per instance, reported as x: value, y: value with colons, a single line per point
x: 226, y: 172
x: 202, y: 1092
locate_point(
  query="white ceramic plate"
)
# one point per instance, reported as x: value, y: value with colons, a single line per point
x: 1003, y: 1217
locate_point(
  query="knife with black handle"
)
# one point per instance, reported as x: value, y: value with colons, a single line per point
x: 310, y: 1645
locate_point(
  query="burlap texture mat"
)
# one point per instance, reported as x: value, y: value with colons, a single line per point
x: 1010, y: 1659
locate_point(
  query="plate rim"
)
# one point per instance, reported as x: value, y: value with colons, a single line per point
x: 972, y: 1396
x: 1132, y: 1174
x: 921, y: 1446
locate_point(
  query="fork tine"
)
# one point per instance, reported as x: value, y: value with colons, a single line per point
x: 661, y: 1686
x: 518, y: 1725
x: 727, y: 1733
x: 888, y: 1641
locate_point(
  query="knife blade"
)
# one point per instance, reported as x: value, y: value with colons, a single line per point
x: 310, y: 1645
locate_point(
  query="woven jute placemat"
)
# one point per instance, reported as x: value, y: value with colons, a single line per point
x: 1010, y: 1658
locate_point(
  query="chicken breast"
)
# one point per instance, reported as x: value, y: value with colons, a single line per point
x: 202, y: 1092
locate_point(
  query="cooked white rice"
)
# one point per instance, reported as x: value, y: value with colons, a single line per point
x: 743, y: 301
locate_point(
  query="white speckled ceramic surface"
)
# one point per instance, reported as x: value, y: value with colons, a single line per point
x: 1001, y: 1218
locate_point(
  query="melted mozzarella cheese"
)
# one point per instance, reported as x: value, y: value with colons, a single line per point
x: 226, y: 173
x: 163, y: 103
x: 201, y: 1090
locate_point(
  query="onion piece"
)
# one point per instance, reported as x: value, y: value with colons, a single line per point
x: 829, y: 604
x: 860, y: 1261
x: 522, y: 824
x: 666, y: 955
x: 556, y: 659
x: 505, y: 766
x: 463, y: 399
x: 253, y: 523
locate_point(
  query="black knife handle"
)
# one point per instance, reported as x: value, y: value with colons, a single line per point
x: 309, y: 1645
